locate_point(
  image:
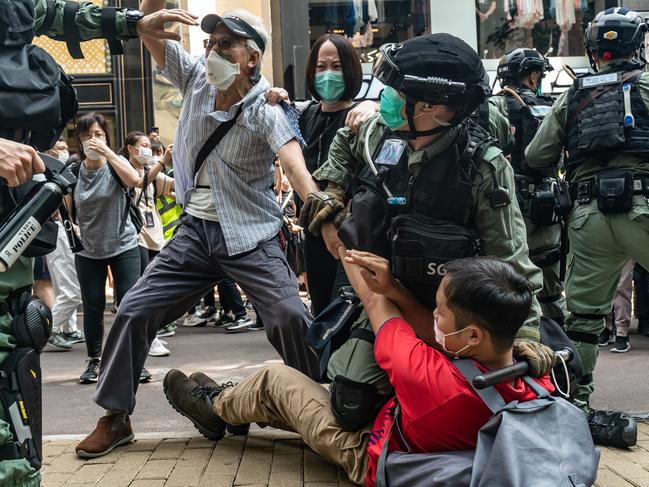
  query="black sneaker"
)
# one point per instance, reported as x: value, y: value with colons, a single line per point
x: 74, y: 337
x: 239, y: 325
x: 224, y: 319
x: 145, y: 376
x: 605, y: 338
x: 611, y: 428
x: 195, y: 403
x: 622, y: 345
x: 256, y: 326
x: 205, y: 381
x: 92, y: 372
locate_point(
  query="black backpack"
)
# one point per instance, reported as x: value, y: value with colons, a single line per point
x: 37, y: 98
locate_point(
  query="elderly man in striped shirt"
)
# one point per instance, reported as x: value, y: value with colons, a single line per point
x: 232, y: 218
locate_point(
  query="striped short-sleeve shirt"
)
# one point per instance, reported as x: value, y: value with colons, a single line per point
x: 241, y: 171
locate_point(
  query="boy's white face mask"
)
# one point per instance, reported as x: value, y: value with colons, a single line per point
x: 440, y: 338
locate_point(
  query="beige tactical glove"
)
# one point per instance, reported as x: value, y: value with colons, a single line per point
x: 540, y: 358
x: 320, y: 207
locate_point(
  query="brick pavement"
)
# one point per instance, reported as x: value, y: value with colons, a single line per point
x: 266, y: 458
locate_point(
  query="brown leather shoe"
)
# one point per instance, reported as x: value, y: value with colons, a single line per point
x: 111, y: 431
x: 205, y: 381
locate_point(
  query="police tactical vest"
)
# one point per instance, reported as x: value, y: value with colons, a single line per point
x: 596, y: 113
x: 525, y: 121
x: 430, y: 218
x: 443, y: 188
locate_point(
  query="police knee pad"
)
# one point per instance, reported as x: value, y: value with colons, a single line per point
x: 354, y: 404
x: 21, y: 399
x: 32, y: 322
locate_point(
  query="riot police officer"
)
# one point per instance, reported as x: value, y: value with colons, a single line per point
x: 520, y: 72
x: 24, y: 322
x: 429, y: 185
x: 602, y: 122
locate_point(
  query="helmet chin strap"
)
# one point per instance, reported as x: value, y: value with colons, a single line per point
x: 412, y: 133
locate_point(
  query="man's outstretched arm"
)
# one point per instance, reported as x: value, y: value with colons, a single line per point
x: 88, y: 20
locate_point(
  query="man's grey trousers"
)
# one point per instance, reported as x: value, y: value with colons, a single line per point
x: 190, y: 265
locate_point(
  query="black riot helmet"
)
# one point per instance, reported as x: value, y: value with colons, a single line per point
x: 520, y: 62
x: 614, y: 33
x: 439, y: 69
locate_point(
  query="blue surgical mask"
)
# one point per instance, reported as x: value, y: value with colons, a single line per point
x: 330, y: 85
x: 391, y: 105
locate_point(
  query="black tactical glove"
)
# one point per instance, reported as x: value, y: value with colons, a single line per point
x: 540, y: 358
x: 320, y: 207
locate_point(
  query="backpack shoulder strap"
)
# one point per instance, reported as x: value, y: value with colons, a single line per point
x: 538, y: 389
x: 490, y: 396
x: 72, y: 36
x: 127, y: 196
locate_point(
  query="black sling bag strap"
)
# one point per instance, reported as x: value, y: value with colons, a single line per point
x: 110, y: 31
x: 50, y: 16
x: 72, y: 36
x: 214, y: 140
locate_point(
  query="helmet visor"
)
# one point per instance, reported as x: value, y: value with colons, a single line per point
x: 385, y: 69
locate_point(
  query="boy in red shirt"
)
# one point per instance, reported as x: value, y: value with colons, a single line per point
x: 481, y: 304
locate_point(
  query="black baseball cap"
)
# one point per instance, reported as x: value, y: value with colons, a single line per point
x: 235, y: 24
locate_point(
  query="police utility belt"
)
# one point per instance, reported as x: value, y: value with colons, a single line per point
x: 613, y: 189
x: 538, y: 199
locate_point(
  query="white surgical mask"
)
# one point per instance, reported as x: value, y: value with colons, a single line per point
x: 221, y: 72
x: 63, y: 156
x: 90, y: 153
x: 440, y: 338
x: 145, y: 155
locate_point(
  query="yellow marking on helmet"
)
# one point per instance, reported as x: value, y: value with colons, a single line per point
x: 610, y: 35
x: 33, y: 373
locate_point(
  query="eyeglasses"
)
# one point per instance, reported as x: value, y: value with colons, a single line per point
x: 224, y: 44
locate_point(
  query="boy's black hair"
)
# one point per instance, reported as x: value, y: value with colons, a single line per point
x: 489, y: 293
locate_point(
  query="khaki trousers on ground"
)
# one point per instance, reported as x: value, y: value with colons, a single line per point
x: 287, y: 399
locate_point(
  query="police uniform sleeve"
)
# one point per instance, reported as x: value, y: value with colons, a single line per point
x: 88, y: 19
x: 498, y: 124
x: 502, y: 232
x: 545, y: 149
x: 341, y: 164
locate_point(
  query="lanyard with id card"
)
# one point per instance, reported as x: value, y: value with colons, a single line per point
x: 391, y: 152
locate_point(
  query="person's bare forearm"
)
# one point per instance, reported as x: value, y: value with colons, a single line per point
x: 292, y: 161
x: 379, y: 308
x: 150, y: 6
x: 416, y: 314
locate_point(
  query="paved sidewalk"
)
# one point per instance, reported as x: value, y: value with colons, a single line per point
x: 266, y: 458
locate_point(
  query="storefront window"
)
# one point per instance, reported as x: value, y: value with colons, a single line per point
x: 369, y: 23
x: 552, y: 27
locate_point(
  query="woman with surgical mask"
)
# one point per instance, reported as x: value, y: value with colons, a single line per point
x: 107, y: 233
x: 137, y: 150
x: 333, y: 78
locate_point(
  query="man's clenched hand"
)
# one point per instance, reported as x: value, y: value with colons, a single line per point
x: 18, y: 162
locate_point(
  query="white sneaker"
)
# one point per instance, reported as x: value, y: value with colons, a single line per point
x: 158, y: 349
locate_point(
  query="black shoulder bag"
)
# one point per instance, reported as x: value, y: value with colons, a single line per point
x: 214, y: 140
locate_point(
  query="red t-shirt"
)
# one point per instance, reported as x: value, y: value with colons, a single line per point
x: 440, y: 411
